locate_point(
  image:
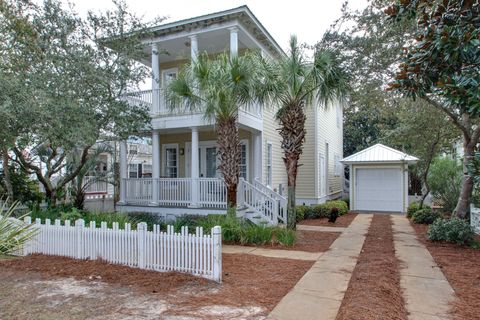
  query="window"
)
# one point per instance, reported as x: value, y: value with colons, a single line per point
x: 133, y: 170
x: 171, y: 161
x: 243, y: 161
x: 147, y: 170
x: 132, y: 149
x: 269, y: 164
x: 337, y: 170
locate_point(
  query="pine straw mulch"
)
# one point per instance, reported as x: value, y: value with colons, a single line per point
x: 247, y: 279
x: 461, y: 267
x: 309, y: 241
x: 342, y: 221
x: 374, y: 290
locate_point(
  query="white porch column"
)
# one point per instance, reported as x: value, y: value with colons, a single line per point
x: 155, y: 79
x: 155, y: 166
x: 194, y: 169
x: 233, y: 42
x: 123, y: 172
x: 257, y: 155
x: 194, y: 47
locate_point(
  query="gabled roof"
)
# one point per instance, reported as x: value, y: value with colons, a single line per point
x: 243, y: 14
x: 379, y: 154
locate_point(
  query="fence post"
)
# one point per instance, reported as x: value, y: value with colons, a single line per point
x: 217, y: 253
x: 141, y: 240
x: 79, y: 225
x: 26, y: 247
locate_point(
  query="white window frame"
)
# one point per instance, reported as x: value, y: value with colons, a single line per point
x: 133, y: 149
x: 244, y: 142
x: 166, y: 71
x: 130, y: 171
x: 269, y: 164
x: 164, y: 158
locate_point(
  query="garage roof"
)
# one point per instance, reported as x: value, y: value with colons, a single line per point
x: 379, y: 154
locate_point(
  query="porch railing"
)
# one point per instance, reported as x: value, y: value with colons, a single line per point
x: 282, y: 201
x: 176, y: 191
x: 149, y: 99
x: 261, y: 202
x: 94, y: 185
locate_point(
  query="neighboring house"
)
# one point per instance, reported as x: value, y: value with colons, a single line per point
x: 183, y: 181
x: 139, y: 165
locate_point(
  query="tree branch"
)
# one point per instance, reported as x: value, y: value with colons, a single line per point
x: 455, y: 119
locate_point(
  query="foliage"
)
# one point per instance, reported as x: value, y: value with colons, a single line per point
x: 451, y: 230
x: 425, y: 216
x: 294, y: 83
x: 412, y: 208
x: 304, y: 212
x: 441, y: 64
x: 13, y: 232
x: 25, y: 190
x: 323, y: 210
x: 219, y: 87
x: 286, y: 237
x: 445, y: 179
x: 68, y: 75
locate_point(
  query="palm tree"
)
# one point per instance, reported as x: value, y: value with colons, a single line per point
x: 292, y: 83
x: 218, y: 87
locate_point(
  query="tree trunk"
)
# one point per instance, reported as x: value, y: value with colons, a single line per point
x: 230, y: 155
x: 463, y: 203
x: 292, y: 131
x: 6, y: 173
x: 51, y: 196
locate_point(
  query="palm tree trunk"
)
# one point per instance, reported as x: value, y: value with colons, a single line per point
x: 230, y: 155
x: 292, y: 131
x: 6, y: 173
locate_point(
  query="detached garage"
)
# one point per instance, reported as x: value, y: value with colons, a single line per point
x: 379, y: 179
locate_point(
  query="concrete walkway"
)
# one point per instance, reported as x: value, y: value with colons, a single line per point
x: 273, y: 253
x: 426, y: 291
x: 319, y: 293
x: 320, y: 228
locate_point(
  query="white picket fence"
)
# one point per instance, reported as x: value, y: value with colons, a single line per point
x: 199, y: 254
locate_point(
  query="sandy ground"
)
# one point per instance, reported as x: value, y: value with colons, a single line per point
x: 47, y: 287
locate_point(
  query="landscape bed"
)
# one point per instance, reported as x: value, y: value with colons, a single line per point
x: 461, y: 267
x: 309, y: 241
x: 249, y: 282
x: 374, y: 289
x: 342, y: 221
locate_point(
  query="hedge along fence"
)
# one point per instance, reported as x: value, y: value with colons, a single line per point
x: 198, y: 254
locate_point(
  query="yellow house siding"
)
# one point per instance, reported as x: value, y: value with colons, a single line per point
x: 271, y: 135
x: 306, y: 171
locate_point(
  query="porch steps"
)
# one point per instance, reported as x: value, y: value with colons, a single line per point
x: 251, y: 215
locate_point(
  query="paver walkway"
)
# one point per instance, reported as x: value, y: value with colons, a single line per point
x: 319, y: 293
x: 426, y: 291
x: 320, y: 228
x: 273, y: 253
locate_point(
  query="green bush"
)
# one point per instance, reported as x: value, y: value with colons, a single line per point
x: 425, y: 216
x: 412, y: 208
x: 347, y: 201
x: 304, y: 212
x: 285, y: 237
x: 445, y: 179
x: 13, y: 233
x: 323, y: 210
x: 451, y: 230
x: 258, y: 234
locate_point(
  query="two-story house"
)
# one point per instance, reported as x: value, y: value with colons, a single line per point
x: 185, y: 178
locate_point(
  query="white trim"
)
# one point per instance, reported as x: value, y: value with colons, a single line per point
x: 164, y: 158
x: 269, y: 174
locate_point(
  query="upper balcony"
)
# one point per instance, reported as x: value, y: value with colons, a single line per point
x: 149, y: 98
x: 175, y: 44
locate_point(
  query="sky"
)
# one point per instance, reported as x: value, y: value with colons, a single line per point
x: 306, y: 19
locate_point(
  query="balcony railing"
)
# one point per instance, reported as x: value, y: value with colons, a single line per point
x: 176, y: 191
x: 149, y: 99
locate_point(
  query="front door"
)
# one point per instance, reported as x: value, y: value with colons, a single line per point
x: 208, y: 162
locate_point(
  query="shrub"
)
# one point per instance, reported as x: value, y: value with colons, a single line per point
x: 13, y: 232
x: 304, y: 212
x: 286, y: 236
x: 347, y: 201
x: 412, y: 208
x: 425, y: 216
x: 444, y: 179
x: 320, y: 211
x: 109, y: 218
x: 258, y: 234
x: 451, y: 230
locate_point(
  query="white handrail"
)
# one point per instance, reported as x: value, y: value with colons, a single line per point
x: 261, y: 202
x: 282, y: 207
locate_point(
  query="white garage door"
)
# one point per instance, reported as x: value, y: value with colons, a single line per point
x: 379, y: 189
